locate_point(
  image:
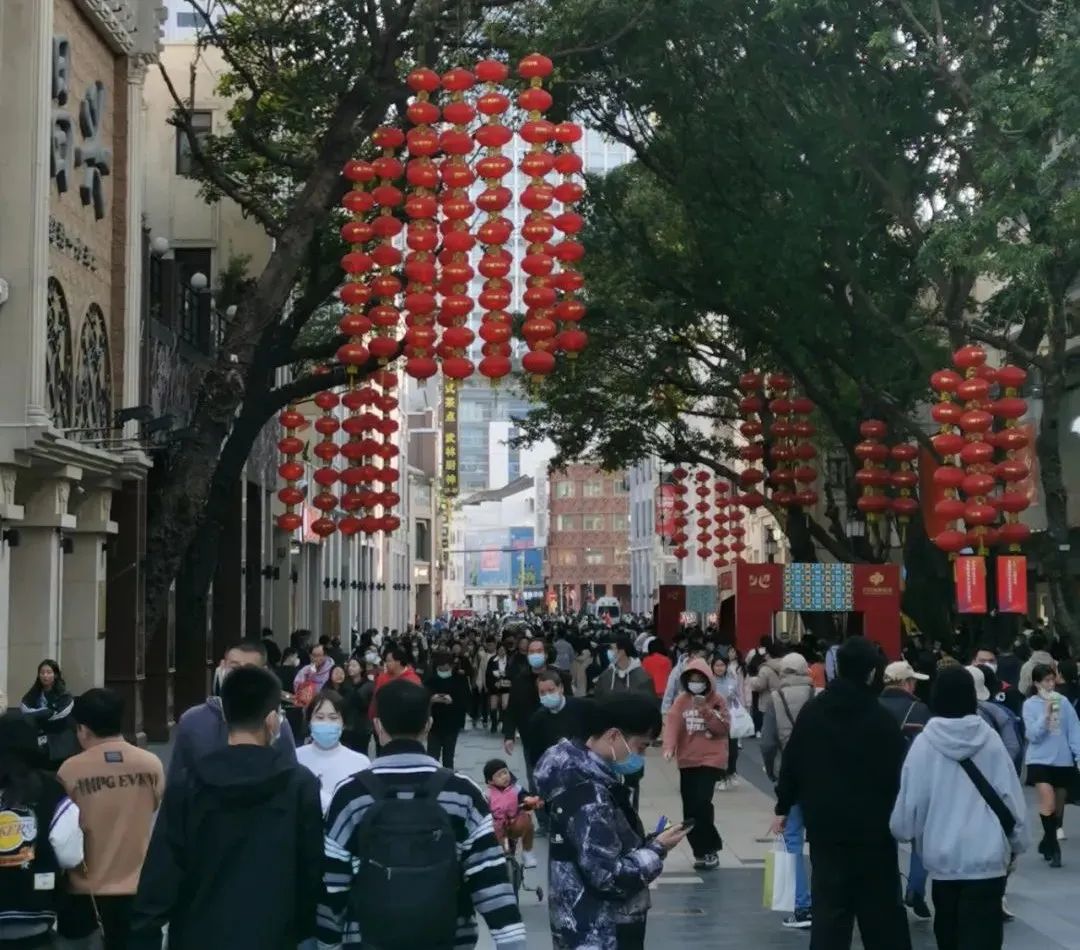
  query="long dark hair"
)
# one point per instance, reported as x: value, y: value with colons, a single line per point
x: 59, y: 687
x: 20, y: 782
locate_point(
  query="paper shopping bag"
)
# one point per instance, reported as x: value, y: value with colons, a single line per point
x: 779, y: 889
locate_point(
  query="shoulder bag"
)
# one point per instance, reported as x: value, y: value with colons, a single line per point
x: 990, y: 796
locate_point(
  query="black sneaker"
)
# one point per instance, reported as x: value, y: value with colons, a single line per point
x: 917, y: 903
x: 710, y: 862
x: 800, y: 920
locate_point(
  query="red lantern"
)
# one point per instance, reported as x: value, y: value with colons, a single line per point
x: 290, y: 470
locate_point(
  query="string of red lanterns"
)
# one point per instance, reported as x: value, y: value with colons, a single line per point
x: 290, y: 445
x: 722, y: 500
x: 873, y: 477
x: 568, y: 281
x: 421, y: 236
x: 803, y: 452
x: 496, y: 328
x: 1011, y: 470
x: 904, y: 481
x: 458, y: 209
x: 704, y: 522
x: 679, y: 486
x: 539, y: 329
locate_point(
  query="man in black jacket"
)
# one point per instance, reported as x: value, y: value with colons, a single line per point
x: 559, y: 717
x: 911, y: 715
x: 842, y: 766
x: 524, y: 701
x: 243, y: 830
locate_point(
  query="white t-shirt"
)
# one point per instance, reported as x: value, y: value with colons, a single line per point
x: 331, y: 767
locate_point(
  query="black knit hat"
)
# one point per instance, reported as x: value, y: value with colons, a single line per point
x: 492, y: 766
x: 953, y: 695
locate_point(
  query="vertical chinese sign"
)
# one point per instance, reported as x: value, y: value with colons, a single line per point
x: 450, y: 439
x: 971, y: 585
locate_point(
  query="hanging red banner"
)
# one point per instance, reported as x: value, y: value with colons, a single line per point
x: 1012, y: 584
x: 970, y: 575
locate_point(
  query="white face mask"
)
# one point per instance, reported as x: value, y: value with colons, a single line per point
x: 697, y: 687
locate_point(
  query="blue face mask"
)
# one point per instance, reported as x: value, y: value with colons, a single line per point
x: 631, y: 765
x: 537, y: 660
x: 552, y: 701
x: 326, y: 735
x: 444, y: 674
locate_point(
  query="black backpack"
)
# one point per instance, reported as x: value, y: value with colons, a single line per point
x: 408, y: 860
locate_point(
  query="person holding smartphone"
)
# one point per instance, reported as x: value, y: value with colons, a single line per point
x: 600, y: 861
x: 451, y: 697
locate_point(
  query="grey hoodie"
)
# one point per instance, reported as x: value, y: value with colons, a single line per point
x: 201, y: 730
x: 939, y: 807
x: 632, y: 679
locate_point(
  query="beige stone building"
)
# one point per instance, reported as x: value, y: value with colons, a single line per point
x: 71, y: 467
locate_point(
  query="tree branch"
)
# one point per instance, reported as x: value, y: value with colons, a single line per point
x: 228, y: 186
x: 984, y: 335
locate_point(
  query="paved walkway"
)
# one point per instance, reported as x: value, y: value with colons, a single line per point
x: 722, y: 910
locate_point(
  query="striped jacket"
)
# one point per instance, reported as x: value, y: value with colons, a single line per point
x: 486, y: 887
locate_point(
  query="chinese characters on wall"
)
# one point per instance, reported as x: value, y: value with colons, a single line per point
x: 90, y: 155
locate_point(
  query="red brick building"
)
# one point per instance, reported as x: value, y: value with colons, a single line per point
x: 588, y: 536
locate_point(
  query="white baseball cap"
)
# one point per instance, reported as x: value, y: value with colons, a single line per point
x: 901, y: 671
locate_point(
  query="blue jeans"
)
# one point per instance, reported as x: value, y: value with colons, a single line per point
x: 794, y: 833
x: 916, y: 875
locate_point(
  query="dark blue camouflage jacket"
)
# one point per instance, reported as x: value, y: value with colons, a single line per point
x: 600, y: 866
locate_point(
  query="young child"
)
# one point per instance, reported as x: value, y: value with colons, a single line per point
x: 510, y: 806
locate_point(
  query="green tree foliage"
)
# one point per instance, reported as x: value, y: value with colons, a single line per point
x: 843, y: 189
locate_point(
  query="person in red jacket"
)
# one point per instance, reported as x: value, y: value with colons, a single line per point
x: 658, y: 665
x: 696, y: 736
x: 396, y: 665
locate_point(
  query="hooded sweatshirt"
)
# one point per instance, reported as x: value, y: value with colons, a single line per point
x: 201, y: 730
x: 1037, y: 657
x: 696, y: 727
x: 245, y: 831
x: 600, y: 866
x: 955, y: 831
x: 634, y: 679
x: 796, y: 689
x: 1051, y: 741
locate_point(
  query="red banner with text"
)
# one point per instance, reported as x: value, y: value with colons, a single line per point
x: 971, y: 585
x: 1012, y: 592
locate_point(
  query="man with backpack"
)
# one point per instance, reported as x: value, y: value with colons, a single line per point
x: 912, y: 715
x: 411, y: 853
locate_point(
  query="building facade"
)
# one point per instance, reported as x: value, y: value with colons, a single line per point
x: 588, y: 553
x: 71, y: 465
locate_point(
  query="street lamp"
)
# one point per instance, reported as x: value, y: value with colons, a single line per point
x: 856, y: 527
x: 199, y: 282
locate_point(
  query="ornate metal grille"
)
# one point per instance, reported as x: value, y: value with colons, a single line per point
x: 58, y: 357
x: 93, y: 382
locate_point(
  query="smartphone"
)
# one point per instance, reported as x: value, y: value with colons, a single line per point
x: 687, y: 825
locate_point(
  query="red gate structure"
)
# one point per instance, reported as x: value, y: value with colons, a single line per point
x: 873, y: 590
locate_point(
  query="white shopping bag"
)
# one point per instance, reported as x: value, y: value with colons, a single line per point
x: 742, y: 723
x: 779, y: 891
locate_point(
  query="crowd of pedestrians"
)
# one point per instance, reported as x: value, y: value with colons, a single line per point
x: 317, y: 782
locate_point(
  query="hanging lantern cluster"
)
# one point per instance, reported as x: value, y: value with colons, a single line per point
x: 539, y: 328
x: 386, y: 286
x: 386, y: 402
x: 681, y: 489
x: 803, y: 452
x: 781, y: 454
x: 496, y: 328
x: 568, y: 281
x: 948, y: 476
x: 702, y: 506
x: 458, y: 209
x: 904, y: 481
x: 722, y: 500
x: 873, y: 477
x: 977, y: 453
x: 326, y: 476
x: 356, y: 263
x: 753, y: 453
x: 1011, y: 408
x: 291, y: 470
x: 421, y: 236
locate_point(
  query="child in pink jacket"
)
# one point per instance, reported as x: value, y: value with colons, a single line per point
x: 696, y: 736
x: 510, y: 808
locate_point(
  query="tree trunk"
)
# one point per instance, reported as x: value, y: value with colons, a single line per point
x: 1055, y: 557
